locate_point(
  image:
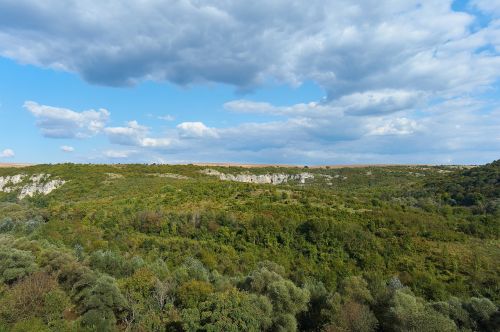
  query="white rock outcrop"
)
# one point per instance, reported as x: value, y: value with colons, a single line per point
x: 276, y: 178
x: 170, y: 175
x: 6, y: 182
x: 35, y: 184
x: 113, y: 176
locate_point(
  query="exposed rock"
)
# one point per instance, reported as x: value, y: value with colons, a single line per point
x: 276, y: 178
x: 7, y: 181
x: 113, y: 176
x: 35, y: 184
x: 416, y: 174
x: 170, y: 175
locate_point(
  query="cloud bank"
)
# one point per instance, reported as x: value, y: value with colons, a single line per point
x: 400, y: 78
x: 345, y: 47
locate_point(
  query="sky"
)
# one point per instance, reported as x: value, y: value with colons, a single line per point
x: 265, y: 81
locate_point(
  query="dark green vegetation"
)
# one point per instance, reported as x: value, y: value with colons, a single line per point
x: 366, y: 249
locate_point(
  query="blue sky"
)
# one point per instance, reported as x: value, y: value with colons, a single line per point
x: 293, y: 82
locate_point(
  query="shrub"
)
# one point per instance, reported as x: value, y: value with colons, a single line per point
x: 193, y: 292
x: 15, y: 264
x: 27, y: 298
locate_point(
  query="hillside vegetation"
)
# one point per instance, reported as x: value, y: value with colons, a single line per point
x: 175, y: 248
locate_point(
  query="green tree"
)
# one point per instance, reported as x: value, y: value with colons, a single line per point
x: 230, y: 311
x: 102, y: 304
x: 15, y: 264
x: 287, y: 299
x: 193, y: 292
x: 409, y: 313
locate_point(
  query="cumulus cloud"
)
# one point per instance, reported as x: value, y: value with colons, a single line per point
x: 56, y: 122
x: 7, y: 153
x: 379, y: 101
x: 132, y: 134
x: 395, y: 126
x: 135, y: 134
x: 458, y: 135
x: 118, y: 154
x: 195, y: 130
x: 66, y: 148
x: 373, y: 102
x: 454, y: 130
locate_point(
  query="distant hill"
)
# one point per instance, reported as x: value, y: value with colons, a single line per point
x: 471, y: 187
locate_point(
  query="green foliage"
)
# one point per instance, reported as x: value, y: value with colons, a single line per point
x: 101, y: 304
x: 114, y: 264
x: 349, y: 310
x: 27, y: 298
x: 31, y: 325
x: 287, y: 299
x: 230, y: 311
x: 193, y: 292
x: 131, y: 247
x: 409, y: 313
x: 15, y: 264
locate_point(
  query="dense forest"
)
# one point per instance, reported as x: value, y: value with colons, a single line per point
x: 175, y: 248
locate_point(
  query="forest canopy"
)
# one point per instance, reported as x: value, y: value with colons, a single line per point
x: 174, y: 248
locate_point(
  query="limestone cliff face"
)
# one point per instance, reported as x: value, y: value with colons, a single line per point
x: 29, y: 185
x: 276, y: 178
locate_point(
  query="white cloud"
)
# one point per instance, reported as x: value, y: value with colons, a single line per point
x: 56, y: 122
x: 458, y: 130
x: 305, y: 109
x: 248, y: 106
x: 373, y: 102
x: 132, y: 134
x: 395, y: 126
x: 119, y: 154
x: 345, y: 47
x: 196, y: 130
x: 487, y: 6
x: 167, y: 117
x: 7, y: 153
x: 66, y: 148
x: 394, y: 73
x: 135, y: 134
x: 379, y: 101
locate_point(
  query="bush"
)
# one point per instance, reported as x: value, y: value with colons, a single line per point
x: 287, y: 299
x: 409, y: 313
x: 113, y: 263
x: 230, y: 311
x: 15, y: 264
x: 27, y: 298
x: 193, y: 292
x: 101, y: 305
